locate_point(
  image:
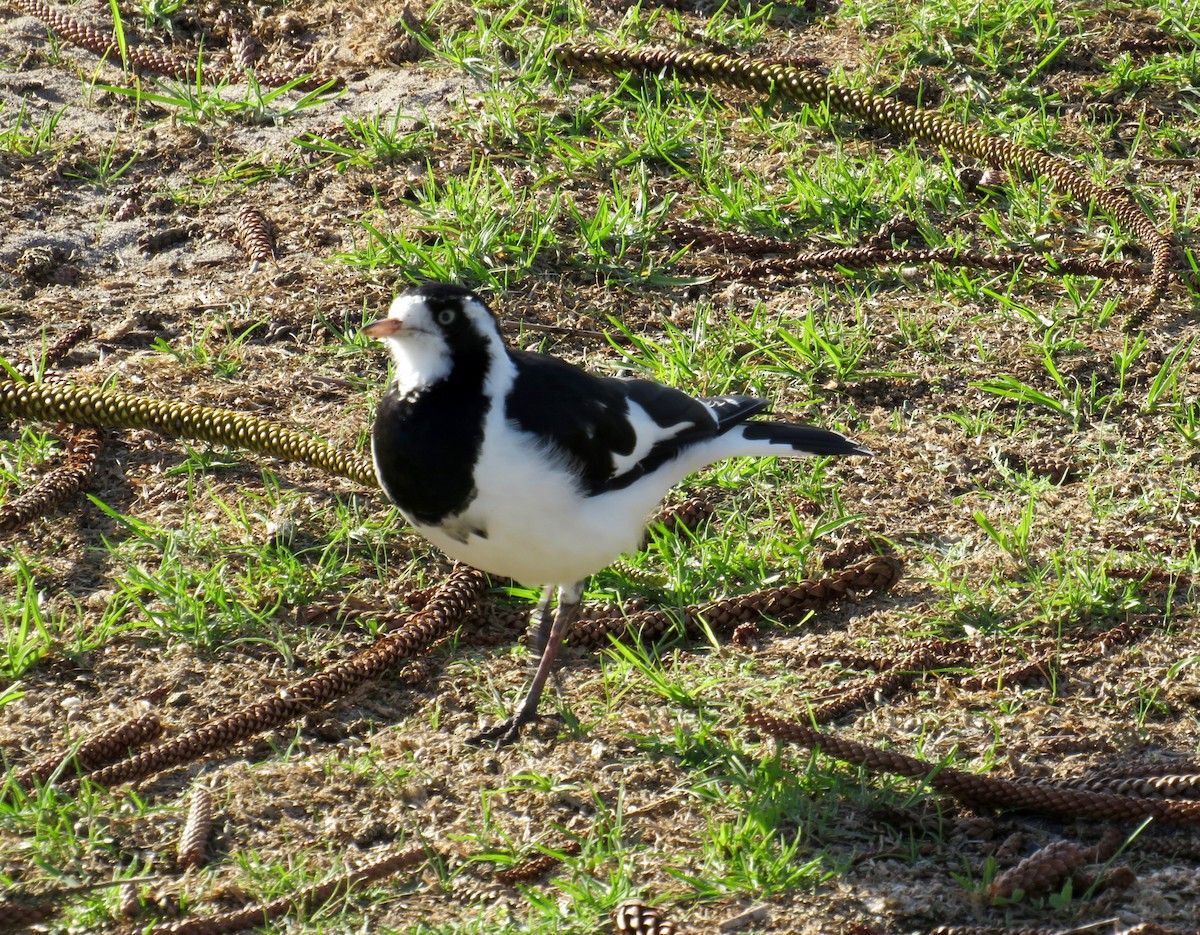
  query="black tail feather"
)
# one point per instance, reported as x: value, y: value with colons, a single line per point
x: 806, y: 439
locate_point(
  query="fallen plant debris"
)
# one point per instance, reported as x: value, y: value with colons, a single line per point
x: 855, y: 548
x: 308, y: 899
x: 687, y: 514
x: 21, y: 907
x: 193, y: 839
x: 67, y: 342
x: 103, y: 748
x: 808, y: 87
x: 441, y: 614
x: 746, y: 635
x: 873, y: 256
x: 130, y: 902
x: 535, y: 867
x: 1169, y: 785
x: 636, y: 917
x: 437, y: 619
x: 17, y: 913
x: 996, y: 930
x: 788, y: 605
x: 980, y: 791
x: 1039, y: 665
x: 255, y: 235
x: 901, y: 673
x: 157, y: 62
x: 908, y: 311
x: 58, y: 485
x: 1051, y: 866
x: 61, y: 402
x: 788, y: 258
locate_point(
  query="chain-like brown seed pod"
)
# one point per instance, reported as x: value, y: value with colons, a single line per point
x: 437, y: 619
x: 244, y: 47
x: 158, y: 62
x: 156, y: 241
x: 64, y: 402
x: 310, y: 898
x: 1039, y: 666
x: 952, y: 257
x: 789, y: 259
x: 807, y: 87
x: 65, y: 344
x: 686, y: 514
x: 746, y: 635
x: 903, y: 673
x: 83, y: 36
x: 899, y: 229
x: 853, y: 549
x: 193, y: 839
x: 105, y: 747
x: 529, y: 870
x: 1178, y: 785
x: 1049, y: 868
x: 1041, y: 872
x: 725, y: 241
x: 58, y: 485
x: 1116, y: 636
x: 785, y: 604
x: 975, y: 790
x: 417, y: 672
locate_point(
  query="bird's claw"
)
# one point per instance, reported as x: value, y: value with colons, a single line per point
x: 502, y: 734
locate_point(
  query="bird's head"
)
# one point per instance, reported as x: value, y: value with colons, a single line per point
x: 434, y: 328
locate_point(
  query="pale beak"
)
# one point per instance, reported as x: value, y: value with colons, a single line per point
x: 384, y: 328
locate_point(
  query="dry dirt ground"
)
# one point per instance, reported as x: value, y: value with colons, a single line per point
x: 390, y: 763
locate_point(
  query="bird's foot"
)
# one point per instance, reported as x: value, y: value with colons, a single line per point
x: 506, y: 732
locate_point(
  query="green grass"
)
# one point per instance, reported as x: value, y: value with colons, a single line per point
x: 550, y: 196
x: 25, y: 134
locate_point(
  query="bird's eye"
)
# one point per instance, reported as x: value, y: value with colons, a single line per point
x: 446, y: 316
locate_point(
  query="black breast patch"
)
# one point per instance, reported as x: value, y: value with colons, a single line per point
x: 425, y: 470
x: 426, y: 444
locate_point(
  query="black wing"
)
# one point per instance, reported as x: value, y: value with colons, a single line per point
x: 587, y: 418
x: 734, y: 410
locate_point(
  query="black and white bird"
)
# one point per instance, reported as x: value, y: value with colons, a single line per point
x: 523, y: 465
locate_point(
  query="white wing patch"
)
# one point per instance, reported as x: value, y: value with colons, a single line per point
x: 647, y: 434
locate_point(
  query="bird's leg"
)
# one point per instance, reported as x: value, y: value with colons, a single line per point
x: 542, y: 621
x: 509, y: 729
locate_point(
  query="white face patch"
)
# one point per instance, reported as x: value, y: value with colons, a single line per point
x: 419, y: 350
